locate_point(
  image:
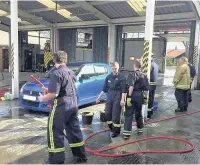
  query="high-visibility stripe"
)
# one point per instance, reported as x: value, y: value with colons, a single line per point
x: 183, y: 86
x: 109, y: 122
x: 57, y: 150
x: 152, y: 83
x: 76, y: 144
x: 128, y: 133
x: 51, y: 125
x: 116, y: 125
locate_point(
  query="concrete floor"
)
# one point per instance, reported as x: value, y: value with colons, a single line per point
x: 23, y: 134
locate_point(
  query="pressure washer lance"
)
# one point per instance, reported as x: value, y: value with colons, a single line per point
x: 39, y: 82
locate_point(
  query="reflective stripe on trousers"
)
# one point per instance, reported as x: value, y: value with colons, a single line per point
x: 51, y: 136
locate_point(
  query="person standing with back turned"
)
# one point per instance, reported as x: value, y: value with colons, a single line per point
x: 115, y: 85
x: 192, y: 75
x: 152, y: 85
x: 137, y: 91
x: 63, y: 115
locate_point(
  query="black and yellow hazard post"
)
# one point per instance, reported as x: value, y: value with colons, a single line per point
x: 146, y: 58
x: 47, y: 54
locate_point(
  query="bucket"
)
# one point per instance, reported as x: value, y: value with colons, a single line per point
x: 155, y: 106
x: 87, y: 118
x: 102, y: 117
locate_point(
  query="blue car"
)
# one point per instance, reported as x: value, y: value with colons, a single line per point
x: 90, y: 80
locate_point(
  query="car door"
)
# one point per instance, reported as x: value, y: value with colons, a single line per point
x: 101, y: 72
x: 86, y: 88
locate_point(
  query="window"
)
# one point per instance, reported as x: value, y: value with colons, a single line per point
x: 100, y: 70
x: 33, y: 40
x: 88, y: 70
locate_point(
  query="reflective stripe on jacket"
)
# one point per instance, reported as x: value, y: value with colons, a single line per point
x: 182, y: 77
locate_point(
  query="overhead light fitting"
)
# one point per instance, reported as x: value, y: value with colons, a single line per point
x: 52, y: 5
x: 139, y: 6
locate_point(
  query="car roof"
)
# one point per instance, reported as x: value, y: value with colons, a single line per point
x: 83, y: 63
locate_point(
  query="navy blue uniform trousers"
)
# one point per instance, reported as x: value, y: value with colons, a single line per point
x: 113, y: 110
x: 63, y: 116
x: 182, y: 99
x: 136, y: 101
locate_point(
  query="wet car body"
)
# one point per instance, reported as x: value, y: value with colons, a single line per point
x: 90, y: 80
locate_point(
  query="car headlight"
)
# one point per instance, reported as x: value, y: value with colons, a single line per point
x: 22, y: 88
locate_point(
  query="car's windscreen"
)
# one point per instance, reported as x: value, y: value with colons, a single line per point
x: 76, y: 70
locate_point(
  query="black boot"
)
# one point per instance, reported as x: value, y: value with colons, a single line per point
x: 80, y: 159
x: 139, y: 131
x: 113, y: 135
x: 185, y: 109
x: 126, y: 137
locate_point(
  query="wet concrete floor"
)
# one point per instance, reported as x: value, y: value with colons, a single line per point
x: 23, y: 135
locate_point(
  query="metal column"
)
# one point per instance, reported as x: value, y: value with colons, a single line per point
x: 118, y: 47
x: 111, y: 43
x: 54, y: 45
x: 149, y: 23
x: 146, y: 58
x: 195, y: 61
x: 14, y: 48
x: 192, y: 40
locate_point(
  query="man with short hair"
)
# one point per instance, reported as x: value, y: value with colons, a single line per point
x: 115, y: 86
x: 137, y: 90
x: 63, y: 115
x: 182, y: 84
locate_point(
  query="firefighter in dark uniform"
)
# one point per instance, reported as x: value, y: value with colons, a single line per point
x: 115, y: 86
x: 63, y: 115
x: 192, y: 75
x: 137, y: 93
x: 152, y: 85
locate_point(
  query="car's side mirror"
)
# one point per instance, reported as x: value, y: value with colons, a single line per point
x: 84, y: 77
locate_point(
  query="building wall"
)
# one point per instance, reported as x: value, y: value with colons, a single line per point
x: 4, y: 38
x: 134, y: 48
x: 84, y: 55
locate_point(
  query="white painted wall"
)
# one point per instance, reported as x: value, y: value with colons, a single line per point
x: 4, y: 38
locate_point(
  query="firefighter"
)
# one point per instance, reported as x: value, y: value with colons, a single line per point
x: 192, y: 75
x: 182, y: 84
x: 137, y: 93
x: 115, y: 86
x: 152, y: 85
x: 63, y: 115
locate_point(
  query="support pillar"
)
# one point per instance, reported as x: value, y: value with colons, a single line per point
x: 9, y: 54
x: 52, y: 43
x: 54, y: 40
x: 111, y: 42
x: 195, y: 61
x: 146, y: 58
x: 192, y: 40
x: 149, y: 23
x: 14, y: 48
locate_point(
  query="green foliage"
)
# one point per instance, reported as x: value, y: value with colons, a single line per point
x: 169, y: 61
